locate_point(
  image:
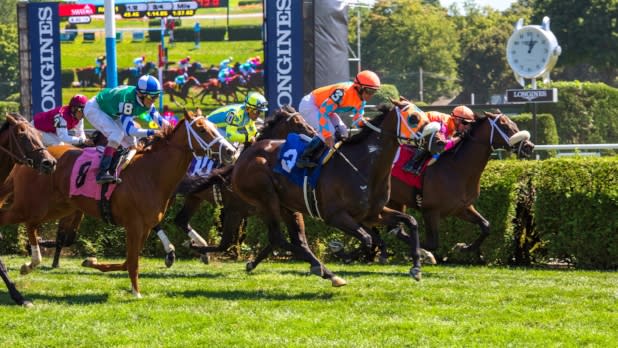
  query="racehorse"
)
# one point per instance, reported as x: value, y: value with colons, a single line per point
x: 255, y: 81
x: 352, y: 190
x: 88, y: 77
x: 211, y: 86
x: 133, y: 74
x: 452, y: 185
x: 231, y: 89
x: 216, y: 189
x: 20, y: 143
x: 169, y: 88
x: 138, y: 204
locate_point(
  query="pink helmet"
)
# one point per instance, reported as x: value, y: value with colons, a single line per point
x: 78, y: 101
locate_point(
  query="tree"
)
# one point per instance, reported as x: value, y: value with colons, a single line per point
x: 9, y: 60
x: 402, y: 36
x: 8, y: 8
x: 586, y: 31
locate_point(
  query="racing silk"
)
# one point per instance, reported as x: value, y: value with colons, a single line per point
x: 138, y: 62
x: 183, y: 65
x: 180, y: 80
x: 246, y: 68
x: 448, y: 129
x: 224, y: 74
x: 121, y: 102
x: 60, y: 121
x: 234, y: 123
x: 340, y: 97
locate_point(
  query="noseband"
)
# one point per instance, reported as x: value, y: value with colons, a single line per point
x: 22, y: 156
x: 206, y: 146
x: 508, y: 140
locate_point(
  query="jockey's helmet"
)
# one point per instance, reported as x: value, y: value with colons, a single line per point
x: 367, y: 79
x: 463, y: 112
x: 78, y: 101
x: 256, y: 101
x: 148, y: 84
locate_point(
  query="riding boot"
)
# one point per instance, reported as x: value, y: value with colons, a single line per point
x: 307, y: 159
x: 415, y: 164
x: 105, y: 175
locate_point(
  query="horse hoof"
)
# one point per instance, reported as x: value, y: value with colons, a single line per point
x: 415, y: 272
x: 89, y: 262
x: 25, y: 269
x: 27, y: 304
x: 170, y: 258
x: 249, y: 267
x: 460, y: 247
x: 427, y: 257
x: 136, y: 294
x: 317, y: 270
x: 205, y: 259
x: 338, y: 281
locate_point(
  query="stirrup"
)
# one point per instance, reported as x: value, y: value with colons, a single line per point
x: 108, y: 179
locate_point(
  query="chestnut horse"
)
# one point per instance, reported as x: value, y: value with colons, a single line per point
x: 138, y: 204
x: 20, y: 143
x: 452, y: 184
x: 169, y: 87
x: 352, y: 190
x: 216, y: 189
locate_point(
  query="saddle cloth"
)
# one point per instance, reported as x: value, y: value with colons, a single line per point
x: 405, y: 153
x: 84, y: 173
x: 288, y: 155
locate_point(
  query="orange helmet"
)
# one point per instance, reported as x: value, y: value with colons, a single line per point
x: 367, y: 79
x: 464, y: 112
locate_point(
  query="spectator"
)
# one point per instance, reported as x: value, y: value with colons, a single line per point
x: 197, y: 29
x: 171, y: 24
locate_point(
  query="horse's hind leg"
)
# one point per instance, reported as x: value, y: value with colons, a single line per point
x: 471, y: 215
x: 392, y: 217
x: 300, y: 247
x: 67, y: 231
x: 13, y: 292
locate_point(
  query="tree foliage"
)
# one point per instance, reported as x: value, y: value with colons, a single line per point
x: 9, y: 60
x: 402, y: 36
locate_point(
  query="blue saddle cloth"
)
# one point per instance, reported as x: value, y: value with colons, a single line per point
x: 290, y: 151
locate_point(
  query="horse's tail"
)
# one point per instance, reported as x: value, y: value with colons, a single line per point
x: 195, y: 184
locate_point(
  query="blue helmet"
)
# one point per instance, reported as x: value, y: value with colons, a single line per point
x: 148, y: 85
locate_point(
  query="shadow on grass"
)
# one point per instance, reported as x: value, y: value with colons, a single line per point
x: 235, y: 295
x: 125, y: 274
x: 72, y: 299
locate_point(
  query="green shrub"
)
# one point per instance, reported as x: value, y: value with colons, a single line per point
x: 7, y: 106
x: 66, y: 77
x: 547, y: 134
x: 243, y: 33
x: 385, y: 94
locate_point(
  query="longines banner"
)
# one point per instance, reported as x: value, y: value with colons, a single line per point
x: 284, y: 52
x: 532, y: 95
x: 44, y: 37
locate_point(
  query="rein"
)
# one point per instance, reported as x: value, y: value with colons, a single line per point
x: 207, y: 146
x: 24, y: 159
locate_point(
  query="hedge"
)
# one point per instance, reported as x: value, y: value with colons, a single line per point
x: 67, y: 76
x: 187, y: 34
x: 547, y: 134
x: 245, y: 33
x: 558, y: 209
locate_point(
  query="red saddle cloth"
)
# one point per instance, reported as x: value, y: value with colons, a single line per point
x: 84, y: 173
x: 405, y: 153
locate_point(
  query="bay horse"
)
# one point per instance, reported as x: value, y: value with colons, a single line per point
x: 231, y: 89
x: 255, y: 81
x: 452, y: 185
x: 88, y: 77
x: 169, y: 88
x: 138, y: 204
x: 216, y: 189
x: 352, y: 190
x: 211, y: 86
x: 20, y: 143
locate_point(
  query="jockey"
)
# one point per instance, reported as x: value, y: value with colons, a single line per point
x: 236, y: 123
x: 184, y: 64
x: 54, y: 125
x: 225, y: 63
x: 112, y: 112
x: 319, y: 106
x: 255, y: 61
x: 246, y: 68
x: 99, y: 65
x: 139, y: 63
x: 180, y: 80
x: 447, y: 132
x: 225, y: 74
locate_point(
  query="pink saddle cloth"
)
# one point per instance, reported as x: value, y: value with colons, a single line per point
x: 84, y: 173
x: 405, y: 153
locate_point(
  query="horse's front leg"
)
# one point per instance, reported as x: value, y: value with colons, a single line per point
x: 471, y: 215
x: 13, y: 292
x: 391, y: 217
x: 67, y: 231
x: 35, y: 258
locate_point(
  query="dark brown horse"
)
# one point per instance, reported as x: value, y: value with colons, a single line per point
x: 88, y: 77
x: 170, y: 88
x: 255, y: 81
x: 216, y: 189
x: 211, y: 86
x: 452, y: 184
x: 231, y: 89
x: 138, y: 204
x: 20, y: 143
x: 352, y: 191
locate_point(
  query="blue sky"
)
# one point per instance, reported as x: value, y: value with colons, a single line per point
x: 500, y: 5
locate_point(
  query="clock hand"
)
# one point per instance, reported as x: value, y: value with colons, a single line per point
x: 531, y: 44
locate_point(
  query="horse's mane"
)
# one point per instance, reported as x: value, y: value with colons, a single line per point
x: 284, y: 112
x: 6, y: 123
x: 192, y: 184
x: 158, y: 140
x: 376, y: 121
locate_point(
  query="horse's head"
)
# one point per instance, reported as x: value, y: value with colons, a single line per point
x: 205, y: 139
x: 284, y: 121
x: 409, y: 120
x: 25, y: 145
x: 504, y: 134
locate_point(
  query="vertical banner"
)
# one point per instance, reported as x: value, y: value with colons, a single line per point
x: 44, y: 37
x: 284, y: 52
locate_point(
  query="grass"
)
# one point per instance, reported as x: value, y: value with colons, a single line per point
x: 280, y: 305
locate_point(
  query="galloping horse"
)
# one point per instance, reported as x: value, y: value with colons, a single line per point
x: 255, y: 81
x: 452, y: 184
x: 138, y: 204
x: 352, y: 190
x: 88, y: 77
x: 169, y: 87
x: 216, y: 189
x: 211, y: 86
x: 132, y: 74
x: 20, y: 143
x: 230, y: 89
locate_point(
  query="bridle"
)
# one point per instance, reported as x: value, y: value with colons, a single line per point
x: 22, y: 157
x: 206, y: 146
x: 517, y: 138
x: 401, y: 139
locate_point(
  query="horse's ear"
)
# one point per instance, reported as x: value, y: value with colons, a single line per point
x: 10, y: 118
x: 188, y: 114
x: 403, y: 99
x: 199, y: 112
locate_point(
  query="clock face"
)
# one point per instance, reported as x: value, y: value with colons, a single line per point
x: 528, y: 52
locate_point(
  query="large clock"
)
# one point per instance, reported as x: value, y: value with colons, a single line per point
x: 532, y: 51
